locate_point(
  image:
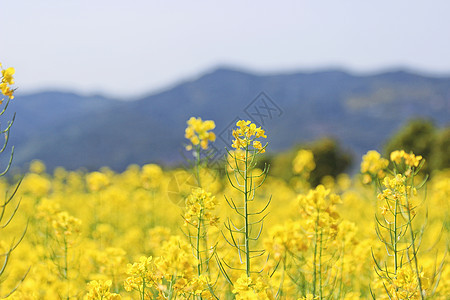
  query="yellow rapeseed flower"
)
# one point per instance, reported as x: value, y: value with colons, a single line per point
x: 199, y: 205
x: 97, y: 181
x: 304, y: 162
x: 246, y: 135
x: 198, y: 132
x: 7, y: 79
x: 409, y: 158
x: 8, y: 76
x: 373, y: 165
x: 66, y: 225
x: 99, y: 290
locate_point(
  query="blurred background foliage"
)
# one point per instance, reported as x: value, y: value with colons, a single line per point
x: 332, y: 158
x: 423, y: 137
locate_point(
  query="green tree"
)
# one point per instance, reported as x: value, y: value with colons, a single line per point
x: 330, y: 158
x: 423, y: 138
x: 441, y: 151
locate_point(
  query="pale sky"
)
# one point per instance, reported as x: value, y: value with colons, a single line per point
x: 135, y: 47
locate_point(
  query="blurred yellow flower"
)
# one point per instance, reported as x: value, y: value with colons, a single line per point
x: 373, y: 165
x: 198, y: 132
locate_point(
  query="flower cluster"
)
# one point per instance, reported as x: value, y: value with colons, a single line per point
x: 151, y: 176
x: 7, y: 81
x: 303, y: 162
x: 37, y: 185
x: 409, y: 158
x: 97, y: 181
x: 247, y: 288
x: 99, y: 290
x: 177, y: 261
x: 373, y: 166
x: 172, y: 273
x: 111, y: 261
x: 199, y: 205
x: 394, y: 192
x: 403, y: 285
x: 66, y: 225
x: 197, y: 286
x: 142, y: 275
x: 198, y: 132
x: 246, y: 134
x: 319, y: 210
x: 286, y: 238
x: 37, y: 166
x: 47, y: 210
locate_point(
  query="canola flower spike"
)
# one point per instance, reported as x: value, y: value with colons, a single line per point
x: 286, y: 238
x: 198, y: 132
x: 8, y: 76
x: 139, y: 273
x: 373, y: 166
x: 409, y: 159
x: 97, y: 181
x: 7, y: 79
x: 246, y: 135
x: 395, y: 229
x: 199, y: 205
x: 172, y: 273
x: 100, y: 290
x: 404, y: 284
x: 151, y: 176
x: 37, y: 185
x: 111, y: 262
x: 303, y: 162
x: 321, y: 220
x: 395, y: 190
x: 66, y: 225
x: 37, y: 166
x: 241, y: 164
x: 249, y: 289
x: 6, y: 214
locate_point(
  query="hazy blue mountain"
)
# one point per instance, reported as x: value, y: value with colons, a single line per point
x: 73, y: 131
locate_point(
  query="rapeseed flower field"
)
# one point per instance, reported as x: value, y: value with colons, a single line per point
x: 234, y: 232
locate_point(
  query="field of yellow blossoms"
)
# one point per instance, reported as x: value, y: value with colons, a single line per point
x: 226, y: 233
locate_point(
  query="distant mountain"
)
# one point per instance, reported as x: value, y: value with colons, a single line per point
x: 74, y: 131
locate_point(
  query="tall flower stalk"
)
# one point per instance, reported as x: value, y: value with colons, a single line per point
x: 200, y: 204
x: 6, y: 89
x: 402, y: 276
x: 199, y: 134
x: 318, y: 211
x: 242, y: 176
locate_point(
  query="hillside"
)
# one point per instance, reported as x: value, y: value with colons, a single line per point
x: 74, y: 131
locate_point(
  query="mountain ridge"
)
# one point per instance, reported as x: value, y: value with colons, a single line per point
x: 73, y: 131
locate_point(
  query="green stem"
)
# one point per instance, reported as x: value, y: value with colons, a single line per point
x: 320, y: 266
x: 315, y: 256
x: 413, y: 244
x: 197, y: 166
x: 66, y: 267
x: 395, y: 236
x: 247, y: 229
x: 199, y: 262
x: 171, y: 289
x: 143, y: 289
x: 342, y: 271
x: 280, y: 288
